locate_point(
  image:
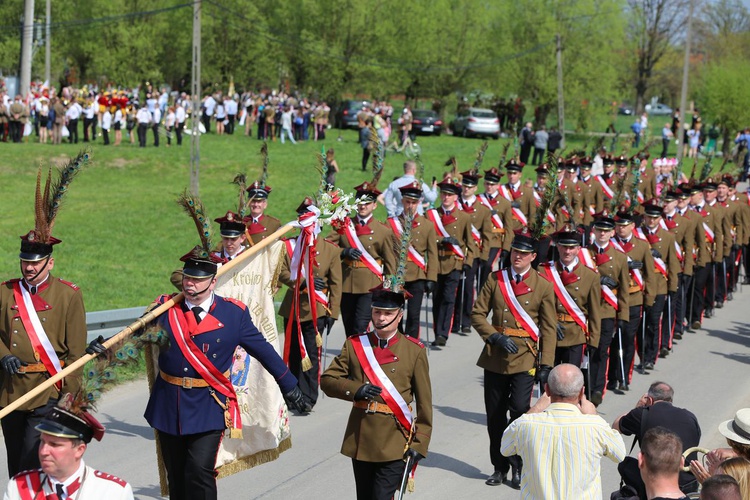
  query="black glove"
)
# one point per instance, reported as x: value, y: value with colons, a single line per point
x: 414, y: 455
x: 635, y: 264
x: 504, y: 254
x: 319, y: 283
x: 367, y: 391
x: 466, y: 268
x: 329, y: 324
x: 607, y: 281
x: 736, y: 247
x: 590, y: 350
x: 493, y: 212
x: 515, y: 204
x: 12, y: 364
x: 351, y: 253
x: 542, y: 374
x: 295, y: 400
x: 622, y: 325
x: 429, y: 286
x: 560, y: 332
x: 656, y: 254
x: 96, y: 346
x: 449, y: 240
x: 503, y: 341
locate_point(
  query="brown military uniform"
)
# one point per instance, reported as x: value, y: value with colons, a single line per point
x: 663, y: 242
x: 264, y: 227
x: 639, y: 250
x: 614, y: 264
x: 377, y: 437
x: 593, y: 199
x: 525, y: 197
x: 424, y: 241
x: 684, y: 234
x: 480, y: 219
x: 497, y: 237
x: 458, y: 225
x: 59, y: 305
x: 582, y: 284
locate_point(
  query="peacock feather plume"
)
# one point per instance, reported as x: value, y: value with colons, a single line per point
x: 322, y: 168
x: 598, y: 146
x: 265, y: 161
x: 635, y: 170
x: 480, y: 158
x: 504, y: 155
x: 378, y: 156
x: 194, y: 208
x: 538, y: 226
x: 396, y: 281
x: 240, y: 180
x: 613, y: 144
x: 706, y: 170
x: 453, y: 163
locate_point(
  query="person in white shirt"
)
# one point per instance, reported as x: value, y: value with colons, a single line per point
x: 221, y: 116
x: 72, y: 115
x: 231, y: 108
x: 392, y: 197
x: 169, y: 123
x: 179, y: 114
x: 286, y: 124
x: 143, y: 117
x: 106, y: 125
x: 155, y: 125
x: 118, y: 123
x: 209, y: 104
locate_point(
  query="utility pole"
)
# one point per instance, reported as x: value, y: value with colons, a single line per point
x: 683, y: 93
x: 47, y: 44
x: 560, y: 98
x: 195, y: 151
x: 26, y: 40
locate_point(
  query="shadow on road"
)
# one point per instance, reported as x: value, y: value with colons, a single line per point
x: 466, y: 416
x: 121, y: 428
x: 444, y: 462
x: 740, y: 334
x: 150, y: 491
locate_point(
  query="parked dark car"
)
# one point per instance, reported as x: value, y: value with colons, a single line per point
x: 625, y: 109
x: 346, y: 113
x: 426, y: 122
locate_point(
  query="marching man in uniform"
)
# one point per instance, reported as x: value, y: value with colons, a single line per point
x: 521, y: 198
x: 578, y: 298
x: 502, y: 221
x: 422, y: 260
x: 65, y: 436
x: 260, y: 225
x: 386, y: 376
x: 42, y: 328
x: 522, y: 334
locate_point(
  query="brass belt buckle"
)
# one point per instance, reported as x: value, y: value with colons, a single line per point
x: 371, y: 406
x: 187, y: 382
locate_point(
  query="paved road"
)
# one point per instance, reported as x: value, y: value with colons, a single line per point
x: 708, y: 370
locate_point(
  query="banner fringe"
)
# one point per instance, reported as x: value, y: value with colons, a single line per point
x: 251, y: 461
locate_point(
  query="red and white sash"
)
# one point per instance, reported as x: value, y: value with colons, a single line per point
x: 434, y: 216
x: 709, y: 233
x: 201, y: 364
x: 518, y: 312
x: 550, y: 215
x: 605, y: 187
x: 38, y: 337
x: 496, y: 220
x: 660, y: 265
x: 638, y: 233
x: 414, y: 256
x: 634, y: 273
x: 550, y: 272
x: 607, y: 294
x: 367, y: 259
x: 517, y: 213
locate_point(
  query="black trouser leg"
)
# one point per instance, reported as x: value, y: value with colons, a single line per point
x: 572, y: 354
x: 73, y: 129
x: 504, y: 394
x: 711, y: 286
x: 190, y: 461
x: 464, y: 305
x: 206, y: 122
x: 599, y: 361
x: 156, y: 135
x: 681, y: 303
x: 377, y: 480
x: 444, y: 301
x: 365, y: 158
x: 628, y: 345
x: 720, y: 289
x: 414, y: 307
x: 230, y: 125
x: 488, y: 265
x: 700, y: 279
x: 308, y: 380
x: 142, y: 128
x: 355, y: 312
x: 653, y: 332
x: 178, y: 132
x: 668, y: 319
x: 22, y: 438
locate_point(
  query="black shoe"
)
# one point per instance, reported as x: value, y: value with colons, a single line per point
x: 719, y: 305
x: 623, y: 386
x: 677, y: 336
x: 708, y: 314
x: 648, y: 365
x: 596, y: 398
x: 496, y: 479
x: 466, y: 329
x: 730, y: 296
x: 439, y: 341
x: 611, y: 386
x: 515, y: 478
x: 663, y: 352
x: 696, y: 325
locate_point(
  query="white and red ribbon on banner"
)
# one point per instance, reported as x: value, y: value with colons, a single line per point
x: 496, y: 220
x: 549, y: 214
x: 564, y: 297
x: 204, y: 367
x: 517, y: 213
x: 38, y: 337
x: 518, y: 312
x: 605, y: 187
x: 607, y: 294
x: 414, y: 256
x: 367, y: 259
x: 376, y: 375
x: 634, y: 273
x: 434, y: 216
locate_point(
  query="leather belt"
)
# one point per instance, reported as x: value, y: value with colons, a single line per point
x: 499, y: 230
x: 449, y: 253
x: 374, y: 407
x: 36, y: 368
x: 565, y: 317
x: 634, y: 289
x: 186, y: 382
x: 513, y: 332
x: 359, y: 263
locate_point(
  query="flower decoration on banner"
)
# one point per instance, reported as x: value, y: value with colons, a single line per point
x: 335, y: 206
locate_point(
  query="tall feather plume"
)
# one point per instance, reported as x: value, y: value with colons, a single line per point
x: 265, y: 160
x: 504, y: 155
x: 706, y: 170
x: 378, y: 156
x: 619, y: 189
x: 240, y: 180
x: 396, y: 281
x: 480, y: 158
x: 322, y: 169
x: 566, y: 202
x: 454, y: 167
x: 724, y: 163
x: 416, y: 155
x: 613, y: 144
x: 633, y: 195
x: 598, y: 146
x: 695, y: 165
x: 540, y: 222
x: 194, y: 208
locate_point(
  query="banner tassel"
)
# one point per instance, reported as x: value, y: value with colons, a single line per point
x: 306, y: 364
x: 318, y: 340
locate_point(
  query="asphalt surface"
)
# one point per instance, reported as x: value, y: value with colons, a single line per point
x: 708, y: 370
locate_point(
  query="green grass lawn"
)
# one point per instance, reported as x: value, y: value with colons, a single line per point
x: 122, y: 231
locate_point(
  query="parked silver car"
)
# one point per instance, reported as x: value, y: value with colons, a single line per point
x: 477, y: 122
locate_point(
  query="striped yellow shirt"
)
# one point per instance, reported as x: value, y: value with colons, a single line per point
x: 561, y: 450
